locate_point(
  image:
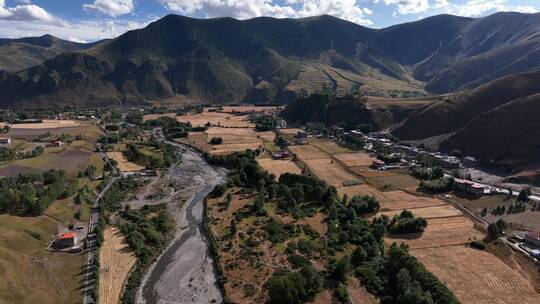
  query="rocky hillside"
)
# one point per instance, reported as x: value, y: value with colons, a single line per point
x: 498, y: 122
x: 19, y: 54
x: 331, y: 110
x: 277, y: 60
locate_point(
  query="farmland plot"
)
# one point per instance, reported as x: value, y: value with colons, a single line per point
x: 306, y: 152
x: 477, y: 277
x: 116, y: 260
x: 216, y: 119
x: 356, y: 159
x: 278, y: 167
x: 430, y: 212
x: 441, y: 232
x: 330, y: 171
x: 392, y: 200
x: 123, y: 164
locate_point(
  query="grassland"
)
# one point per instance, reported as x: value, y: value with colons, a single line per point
x: 30, y: 273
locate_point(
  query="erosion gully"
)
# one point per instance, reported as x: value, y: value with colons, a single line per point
x: 185, y: 272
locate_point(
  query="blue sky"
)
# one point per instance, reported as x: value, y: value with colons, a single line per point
x: 89, y: 20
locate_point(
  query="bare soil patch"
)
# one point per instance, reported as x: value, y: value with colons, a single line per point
x: 123, y: 164
x: 476, y: 276
x: 278, y: 167
x: 355, y: 159
x: 116, y: 260
x: 367, y: 172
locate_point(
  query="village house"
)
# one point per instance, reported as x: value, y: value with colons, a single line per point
x: 378, y: 164
x: 533, y: 238
x: 301, y: 134
x: 5, y: 140
x: 66, y: 240
x: 469, y: 187
x: 280, y: 155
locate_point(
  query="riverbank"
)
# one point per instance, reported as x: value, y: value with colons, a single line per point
x: 185, y: 272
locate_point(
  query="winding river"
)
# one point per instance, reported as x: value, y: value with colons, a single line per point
x: 185, y: 272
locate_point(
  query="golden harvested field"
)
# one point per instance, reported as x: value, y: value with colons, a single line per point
x: 217, y: 131
x: 330, y: 171
x: 292, y: 131
x: 398, y: 199
x: 216, y: 119
x: 305, y: 152
x: 123, y: 164
x: 440, y: 232
x: 392, y: 200
x: 234, y: 139
x: 231, y: 148
x: 278, y: 167
x: 47, y: 124
x: 116, y: 260
x: 430, y: 212
x: 356, y: 159
x: 477, y: 277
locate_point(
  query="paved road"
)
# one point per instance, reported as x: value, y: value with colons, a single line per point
x: 185, y: 272
x: 91, y: 245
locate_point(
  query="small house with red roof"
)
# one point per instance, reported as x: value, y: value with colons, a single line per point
x: 66, y: 240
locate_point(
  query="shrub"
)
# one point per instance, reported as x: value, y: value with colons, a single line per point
x: 216, y: 140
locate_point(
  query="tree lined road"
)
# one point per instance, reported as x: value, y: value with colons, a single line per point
x: 91, y: 246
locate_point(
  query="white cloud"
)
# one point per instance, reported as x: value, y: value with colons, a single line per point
x: 441, y: 3
x: 26, y: 12
x: 75, y: 39
x: 525, y: 9
x: 405, y: 7
x: 345, y: 9
x: 77, y: 31
x: 476, y: 8
x: 111, y: 7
